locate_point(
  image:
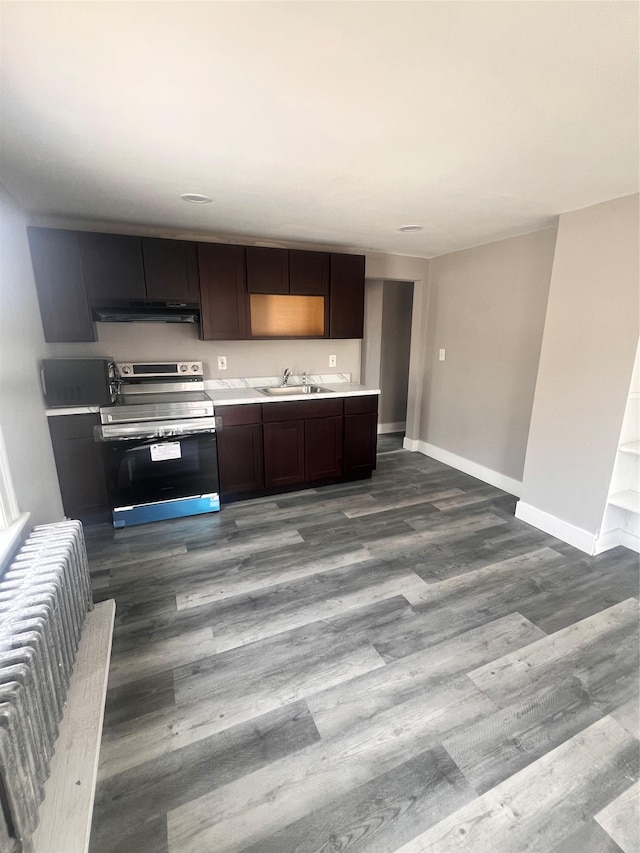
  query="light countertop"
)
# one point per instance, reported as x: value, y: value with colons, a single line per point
x: 238, y: 396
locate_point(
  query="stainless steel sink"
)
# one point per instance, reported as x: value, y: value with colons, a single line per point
x: 292, y: 390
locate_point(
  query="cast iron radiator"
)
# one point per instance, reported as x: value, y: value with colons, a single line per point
x: 44, y: 596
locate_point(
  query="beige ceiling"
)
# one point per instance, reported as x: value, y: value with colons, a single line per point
x: 321, y: 122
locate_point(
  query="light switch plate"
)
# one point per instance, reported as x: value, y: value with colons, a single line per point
x: 442, y: 354
x: 333, y: 361
x: 222, y: 362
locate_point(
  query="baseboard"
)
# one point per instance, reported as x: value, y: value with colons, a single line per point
x: 394, y: 427
x: 613, y: 538
x: 487, y: 475
x: 584, y: 540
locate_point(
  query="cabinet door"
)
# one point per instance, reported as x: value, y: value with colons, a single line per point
x: 267, y: 270
x: 80, y: 468
x: 240, y: 459
x: 283, y: 453
x: 347, y: 296
x: 323, y: 449
x: 57, y: 269
x: 170, y: 270
x: 112, y: 265
x: 360, y: 440
x: 223, y: 310
x: 308, y: 273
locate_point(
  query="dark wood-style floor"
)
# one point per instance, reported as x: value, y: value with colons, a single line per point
x: 396, y: 664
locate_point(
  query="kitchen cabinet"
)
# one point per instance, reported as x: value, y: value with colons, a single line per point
x: 80, y: 468
x: 223, y: 310
x: 360, y: 435
x: 240, y: 453
x: 287, y: 271
x: 267, y: 270
x: 113, y: 267
x: 323, y: 448
x: 308, y: 273
x: 283, y: 453
x: 170, y: 270
x: 302, y: 441
x: 347, y: 296
x: 57, y: 269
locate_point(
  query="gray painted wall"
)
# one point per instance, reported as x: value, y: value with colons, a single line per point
x: 397, y: 301
x: 486, y: 307
x: 22, y: 410
x: 590, y: 338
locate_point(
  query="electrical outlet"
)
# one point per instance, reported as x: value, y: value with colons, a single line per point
x: 333, y: 361
x: 222, y: 362
x: 443, y: 354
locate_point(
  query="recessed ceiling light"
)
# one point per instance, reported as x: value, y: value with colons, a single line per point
x: 408, y: 228
x: 196, y: 198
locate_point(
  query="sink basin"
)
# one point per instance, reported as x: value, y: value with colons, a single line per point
x: 292, y: 390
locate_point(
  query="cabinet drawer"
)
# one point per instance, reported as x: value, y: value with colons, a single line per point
x: 359, y: 405
x: 301, y: 410
x: 251, y: 413
x: 72, y: 426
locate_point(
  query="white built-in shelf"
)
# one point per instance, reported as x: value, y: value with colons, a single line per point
x: 628, y: 499
x: 65, y: 813
x: 631, y: 447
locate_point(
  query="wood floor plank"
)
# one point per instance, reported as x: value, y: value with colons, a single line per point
x: 303, y: 694
x: 621, y: 819
x: 590, y: 838
x: 539, y: 807
x: 128, y: 803
x: 432, y: 670
x: 218, y: 693
x: 264, y: 802
x: 380, y: 815
x: 228, y: 586
x: 598, y: 654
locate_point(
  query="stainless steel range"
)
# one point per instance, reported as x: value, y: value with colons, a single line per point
x: 159, y: 443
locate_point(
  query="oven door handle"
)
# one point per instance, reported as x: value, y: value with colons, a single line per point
x: 160, y: 431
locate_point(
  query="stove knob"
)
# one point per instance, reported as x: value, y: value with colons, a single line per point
x: 182, y: 368
x: 194, y: 368
x: 126, y: 368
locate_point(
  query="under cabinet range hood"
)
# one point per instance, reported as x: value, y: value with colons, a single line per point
x: 147, y: 312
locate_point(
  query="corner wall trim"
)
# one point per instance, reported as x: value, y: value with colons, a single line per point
x: 487, y: 475
x: 569, y: 533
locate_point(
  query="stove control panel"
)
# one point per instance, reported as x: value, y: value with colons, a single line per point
x: 156, y: 370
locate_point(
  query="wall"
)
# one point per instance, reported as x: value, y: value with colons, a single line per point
x: 394, y: 356
x: 486, y: 308
x: 590, y: 338
x: 157, y: 341
x: 21, y: 345
x: 372, y: 340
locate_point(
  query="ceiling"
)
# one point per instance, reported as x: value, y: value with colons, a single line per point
x: 328, y: 123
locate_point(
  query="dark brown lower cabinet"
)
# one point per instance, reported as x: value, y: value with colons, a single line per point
x: 80, y: 468
x: 240, y: 455
x: 323, y: 448
x: 360, y: 435
x: 283, y: 453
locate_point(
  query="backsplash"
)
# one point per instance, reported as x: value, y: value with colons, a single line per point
x: 163, y: 341
x: 265, y: 381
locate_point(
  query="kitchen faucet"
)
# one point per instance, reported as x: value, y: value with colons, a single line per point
x: 285, y: 376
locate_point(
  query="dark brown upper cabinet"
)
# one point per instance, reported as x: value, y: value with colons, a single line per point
x: 170, y: 270
x: 347, y: 296
x: 223, y: 311
x: 308, y: 273
x: 57, y: 269
x: 113, y: 267
x: 267, y: 270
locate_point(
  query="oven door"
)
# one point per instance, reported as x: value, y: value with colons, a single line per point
x: 156, y: 477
